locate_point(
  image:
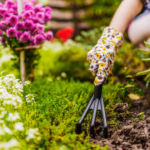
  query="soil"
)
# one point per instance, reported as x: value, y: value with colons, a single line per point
x: 130, y: 135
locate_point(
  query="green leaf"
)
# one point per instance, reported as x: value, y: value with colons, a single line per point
x: 129, y: 85
x: 143, y: 73
x: 148, y: 59
x: 147, y: 44
x: 128, y: 76
x: 144, y: 50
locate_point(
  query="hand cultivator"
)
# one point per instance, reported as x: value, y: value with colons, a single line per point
x: 96, y: 103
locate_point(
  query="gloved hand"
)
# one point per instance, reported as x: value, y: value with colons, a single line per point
x: 101, y: 56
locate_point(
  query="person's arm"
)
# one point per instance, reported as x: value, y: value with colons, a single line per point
x: 125, y: 13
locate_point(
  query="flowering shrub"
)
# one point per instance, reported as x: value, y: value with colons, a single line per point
x: 65, y: 34
x: 26, y: 28
x: 13, y: 131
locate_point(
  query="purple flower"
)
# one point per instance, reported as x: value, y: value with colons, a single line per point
x: 20, y: 17
x: 49, y: 35
x: 3, y: 25
x: 25, y: 37
x: 1, y: 5
x: 13, y: 20
x: 27, y: 15
x: 6, y: 15
x: 39, y: 39
x: 1, y: 33
x: 19, y: 33
x: 40, y: 28
x: 8, y: 3
x: 3, y: 10
x: 47, y: 9
x: 27, y: 6
x: 32, y: 41
x: 35, y: 20
x: 11, y: 32
x: 37, y: 9
x: 39, y: 5
x: 19, y: 25
x: 40, y: 15
x: 28, y: 25
x: 12, y: 11
x: 32, y: 12
x: 47, y: 17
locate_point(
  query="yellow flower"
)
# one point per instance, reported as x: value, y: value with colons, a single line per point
x: 104, y: 38
x: 88, y: 60
x: 103, y: 73
x: 96, y: 81
x: 93, y: 61
x: 113, y: 33
x: 97, y: 55
x: 102, y: 64
x: 104, y: 49
x: 119, y: 37
x: 104, y: 42
x: 103, y: 52
x: 100, y: 47
x: 100, y: 69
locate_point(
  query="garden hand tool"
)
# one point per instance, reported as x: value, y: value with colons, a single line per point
x: 101, y: 58
x: 96, y: 103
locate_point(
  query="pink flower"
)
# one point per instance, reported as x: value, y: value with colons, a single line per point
x: 13, y: 20
x: 40, y: 28
x: 28, y: 24
x: 19, y: 25
x: 18, y: 34
x: 25, y: 37
x: 8, y: 3
x: 3, y: 25
x: 27, y: 14
x: 47, y: 17
x: 40, y: 15
x: 49, y: 35
x: 11, y: 32
x: 39, y: 39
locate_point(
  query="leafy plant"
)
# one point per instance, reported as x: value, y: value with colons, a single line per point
x: 146, y: 72
x: 142, y: 116
x: 135, y: 120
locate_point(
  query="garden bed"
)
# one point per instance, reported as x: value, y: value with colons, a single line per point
x: 131, y: 132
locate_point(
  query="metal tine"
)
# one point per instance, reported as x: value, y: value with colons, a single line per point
x: 84, y: 115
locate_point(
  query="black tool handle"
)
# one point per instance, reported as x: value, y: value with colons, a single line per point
x: 98, y: 91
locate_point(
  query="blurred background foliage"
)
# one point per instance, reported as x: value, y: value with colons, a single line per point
x: 96, y: 10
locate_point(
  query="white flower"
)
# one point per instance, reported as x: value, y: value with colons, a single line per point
x: 1, y: 131
x: 19, y: 126
x: 29, y: 98
x: 13, y: 117
x: 2, y: 112
x: 10, y: 102
x: 63, y: 74
x: 6, y: 129
x: 31, y: 133
x: 27, y: 83
x: 9, y: 144
x: 30, y: 136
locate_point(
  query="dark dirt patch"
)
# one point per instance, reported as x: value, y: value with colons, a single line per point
x: 131, y: 135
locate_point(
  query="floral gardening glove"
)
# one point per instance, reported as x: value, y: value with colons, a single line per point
x: 101, y: 57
